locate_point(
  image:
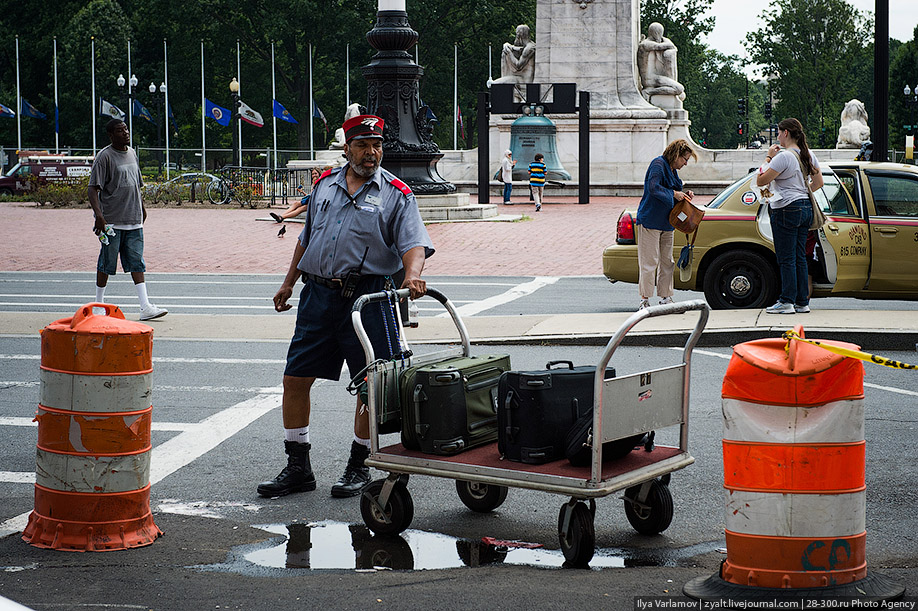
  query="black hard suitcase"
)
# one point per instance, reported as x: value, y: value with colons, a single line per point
x: 448, y: 407
x: 536, y: 409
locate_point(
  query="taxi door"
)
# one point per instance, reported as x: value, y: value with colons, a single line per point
x: 893, y: 230
x: 844, y: 239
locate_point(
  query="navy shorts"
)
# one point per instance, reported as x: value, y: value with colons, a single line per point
x: 325, y: 338
x: 129, y: 244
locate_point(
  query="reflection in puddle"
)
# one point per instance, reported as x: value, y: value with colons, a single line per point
x: 334, y: 545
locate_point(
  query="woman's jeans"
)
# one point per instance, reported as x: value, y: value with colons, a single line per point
x: 507, y: 187
x: 789, y: 226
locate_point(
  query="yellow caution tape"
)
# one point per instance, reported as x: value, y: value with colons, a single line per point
x: 855, y: 354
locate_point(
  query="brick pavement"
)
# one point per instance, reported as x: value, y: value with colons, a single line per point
x: 565, y: 239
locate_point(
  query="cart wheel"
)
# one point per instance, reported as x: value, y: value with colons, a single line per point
x: 578, y: 542
x: 654, y: 515
x: 481, y: 497
x: 392, y: 519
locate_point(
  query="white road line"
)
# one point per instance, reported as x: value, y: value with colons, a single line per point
x: 260, y: 390
x: 519, y: 290
x: 16, y: 477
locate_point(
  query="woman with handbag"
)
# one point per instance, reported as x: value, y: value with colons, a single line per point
x: 662, y: 189
x: 795, y: 171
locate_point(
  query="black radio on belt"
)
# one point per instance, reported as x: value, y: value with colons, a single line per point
x: 349, y: 284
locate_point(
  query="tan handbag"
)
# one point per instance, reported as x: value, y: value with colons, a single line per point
x: 685, y: 217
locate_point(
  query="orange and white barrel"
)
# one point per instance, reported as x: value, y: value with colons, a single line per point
x: 92, y: 481
x: 794, y: 459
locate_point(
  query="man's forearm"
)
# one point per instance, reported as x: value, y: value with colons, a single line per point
x: 292, y: 272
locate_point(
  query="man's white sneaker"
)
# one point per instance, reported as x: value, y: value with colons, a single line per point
x: 151, y: 312
x: 666, y: 300
x: 802, y: 309
x: 780, y: 308
x: 644, y: 305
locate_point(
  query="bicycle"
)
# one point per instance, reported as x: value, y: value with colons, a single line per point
x: 225, y: 189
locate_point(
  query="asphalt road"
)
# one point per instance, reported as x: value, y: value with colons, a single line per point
x: 217, y: 433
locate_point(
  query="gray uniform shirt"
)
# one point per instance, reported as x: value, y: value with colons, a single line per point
x: 790, y: 180
x: 117, y: 174
x: 377, y: 226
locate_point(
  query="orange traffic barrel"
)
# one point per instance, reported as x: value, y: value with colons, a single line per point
x: 794, y: 459
x: 92, y: 476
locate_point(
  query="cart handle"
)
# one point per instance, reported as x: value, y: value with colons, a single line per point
x: 398, y: 294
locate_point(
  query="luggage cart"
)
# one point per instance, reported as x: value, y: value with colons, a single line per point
x: 623, y: 406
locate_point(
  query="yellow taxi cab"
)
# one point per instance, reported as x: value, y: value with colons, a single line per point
x: 867, y: 249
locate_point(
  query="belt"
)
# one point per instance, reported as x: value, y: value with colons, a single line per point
x: 332, y: 283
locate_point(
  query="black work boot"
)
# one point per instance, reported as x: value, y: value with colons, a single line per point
x: 356, y: 474
x: 297, y: 475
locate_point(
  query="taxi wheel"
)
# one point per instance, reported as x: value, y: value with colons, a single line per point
x: 740, y: 279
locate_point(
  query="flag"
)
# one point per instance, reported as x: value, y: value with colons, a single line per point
x: 461, y: 126
x: 57, y: 120
x: 282, y: 113
x: 217, y: 113
x: 172, y: 118
x: 141, y: 111
x: 250, y: 116
x: 28, y: 110
x: 318, y: 114
x: 110, y: 110
x: 6, y: 111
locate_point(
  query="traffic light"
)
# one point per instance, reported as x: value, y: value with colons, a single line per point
x: 741, y: 106
x: 739, y: 129
x: 768, y: 110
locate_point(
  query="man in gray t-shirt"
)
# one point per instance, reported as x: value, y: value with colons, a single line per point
x: 114, y: 194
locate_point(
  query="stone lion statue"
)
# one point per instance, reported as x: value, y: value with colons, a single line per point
x: 854, y: 130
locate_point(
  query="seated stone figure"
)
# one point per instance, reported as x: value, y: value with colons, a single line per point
x: 517, y: 60
x: 656, y: 58
x: 352, y: 111
x: 854, y: 129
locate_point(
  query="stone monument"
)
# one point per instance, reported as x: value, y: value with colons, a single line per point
x: 854, y: 129
x: 517, y: 59
x: 338, y: 143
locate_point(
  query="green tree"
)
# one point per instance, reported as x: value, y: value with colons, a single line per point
x: 903, y: 70
x: 809, y: 48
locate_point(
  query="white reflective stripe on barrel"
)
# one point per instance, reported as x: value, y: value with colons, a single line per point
x: 835, y: 422
x: 99, y: 474
x: 96, y: 393
x: 796, y: 515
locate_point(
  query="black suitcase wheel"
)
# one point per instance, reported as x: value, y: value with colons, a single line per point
x: 481, y: 497
x: 655, y: 514
x: 392, y: 519
x: 578, y: 539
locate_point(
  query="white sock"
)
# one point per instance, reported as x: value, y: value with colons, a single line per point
x: 364, y: 442
x: 300, y: 435
x: 142, y: 295
x: 100, y: 294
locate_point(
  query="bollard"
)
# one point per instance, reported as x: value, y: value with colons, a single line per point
x: 92, y: 479
x: 794, y: 459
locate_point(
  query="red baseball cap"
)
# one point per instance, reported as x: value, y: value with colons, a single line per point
x: 363, y: 126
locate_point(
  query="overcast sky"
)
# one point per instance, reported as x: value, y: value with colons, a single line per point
x: 734, y: 18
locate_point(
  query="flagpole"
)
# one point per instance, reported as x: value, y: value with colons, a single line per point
x: 489, y: 64
x: 347, y: 76
x: 312, y: 106
x: 92, y: 46
x: 203, y: 134
x: 18, y: 102
x: 273, y: 99
x: 57, y: 142
x: 239, y: 80
x: 130, y: 110
x: 166, y: 125
x: 455, y: 93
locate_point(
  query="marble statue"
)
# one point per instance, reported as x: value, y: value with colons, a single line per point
x: 854, y: 130
x: 517, y: 59
x: 352, y: 111
x: 656, y: 59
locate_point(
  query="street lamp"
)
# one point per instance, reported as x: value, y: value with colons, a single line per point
x: 130, y: 104
x: 159, y: 114
x: 911, y: 101
x: 234, y: 90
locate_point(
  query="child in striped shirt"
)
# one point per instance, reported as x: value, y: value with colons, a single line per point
x: 537, y: 179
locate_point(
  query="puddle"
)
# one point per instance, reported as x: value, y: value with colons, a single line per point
x: 336, y: 545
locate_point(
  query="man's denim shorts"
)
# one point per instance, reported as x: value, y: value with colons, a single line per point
x: 325, y: 338
x: 129, y: 244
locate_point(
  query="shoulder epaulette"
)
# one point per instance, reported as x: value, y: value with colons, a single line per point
x: 398, y: 184
x: 323, y: 175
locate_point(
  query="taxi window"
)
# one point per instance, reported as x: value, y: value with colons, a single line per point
x: 833, y: 198
x: 893, y: 194
x: 724, y: 195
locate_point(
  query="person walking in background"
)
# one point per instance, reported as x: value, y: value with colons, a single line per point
x: 662, y: 189
x: 114, y: 195
x: 795, y: 171
x: 506, y: 173
x: 537, y: 179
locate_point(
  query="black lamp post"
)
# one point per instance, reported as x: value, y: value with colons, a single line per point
x: 130, y: 104
x: 911, y: 102
x: 392, y: 76
x: 234, y: 90
x: 159, y: 118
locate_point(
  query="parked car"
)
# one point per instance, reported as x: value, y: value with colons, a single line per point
x: 866, y: 250
x: 35, y: 170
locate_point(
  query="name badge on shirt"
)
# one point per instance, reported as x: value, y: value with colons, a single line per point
x: 367, y: 208
x: 372, y: 199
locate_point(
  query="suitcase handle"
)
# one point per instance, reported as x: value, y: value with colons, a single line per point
x: 418, y: 397
x: 469, y: 385
x: 570, y: 364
